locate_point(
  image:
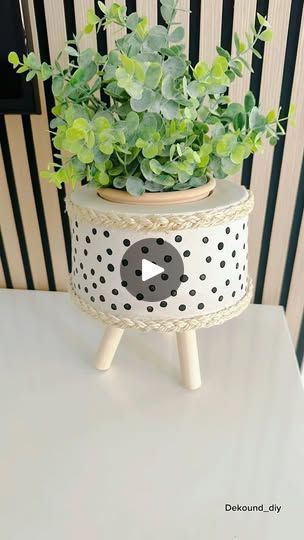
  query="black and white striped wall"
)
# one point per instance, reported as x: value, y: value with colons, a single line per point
x: 35, y: 236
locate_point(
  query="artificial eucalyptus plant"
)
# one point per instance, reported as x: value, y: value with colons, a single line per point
x: 141, y: 118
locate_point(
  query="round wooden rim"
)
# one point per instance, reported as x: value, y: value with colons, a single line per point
x: 158, y: 199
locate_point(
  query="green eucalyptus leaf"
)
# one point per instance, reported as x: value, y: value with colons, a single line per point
x: 46, y: 71
x: 164, y: 180
x: 132, y: 21
x: 169, y: 109
x: 142, y: 104
x: 22, y: 69
x: 273, y: 140
x: 55, y: 122
x: 228, y: 167
x: 198, y: 181
x: 13, y: 58
x: 71, y: 51
x: 86, y: 57
x: 196, y: 89
x: 168, y: 13
x: 132, y: 122
x: 266, y: 35
x: 256, y: 120
x: 102, y: 7
x: 239, y: 121
x: 150, y: 150
x: 201, y: 70
x: 135, y: 186
x: 102, y: 178
x: 85, y: 155
x: 249, y: 101
x: 120, y: 182
x: 155, y: 166
x: 30, y: 76
x: 261, y: 19
x: 236, y: 42
x: 156, y: 38
x: 226, y: 144
x: 237, y: 154
x: 146, y: 170
x: 224, y: 53
x: 153, y: 187
x: 177, y: 35
x: 31, y: 61
x: 83, y: 75
x: 153, y: 75
x: 175, y: 67
x: 92, y: 18
x: 257, y: 54
x: 168, y: 87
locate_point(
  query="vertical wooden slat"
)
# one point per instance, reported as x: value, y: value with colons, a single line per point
x: 295, y: 305
x: 183, y: 18
x: 211, y: 24
x: 244, y: 15
x: 113, y: 31
x: 81, y: 8
x: 49, y: 195
x: 26, y: 200
x: 273, y: 64
x: 148, y: 9
x: 288, y: 187
x: 55, y: 22
x: 9, y: 233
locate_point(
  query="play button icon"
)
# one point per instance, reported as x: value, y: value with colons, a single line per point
x: 152, y: 270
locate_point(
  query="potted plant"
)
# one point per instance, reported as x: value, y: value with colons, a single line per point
x: 168, y: 128
x: 143, y: 127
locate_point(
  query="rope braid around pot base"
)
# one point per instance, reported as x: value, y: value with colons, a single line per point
x: 165, y: 325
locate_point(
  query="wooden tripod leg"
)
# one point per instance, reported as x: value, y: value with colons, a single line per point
x: 108, y: 347
x: 189, y: 360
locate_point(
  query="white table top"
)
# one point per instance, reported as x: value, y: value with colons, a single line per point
x: 129, y: 454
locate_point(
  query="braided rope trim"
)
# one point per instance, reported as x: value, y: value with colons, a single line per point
x: 165, y: 325
x: 169, y: 222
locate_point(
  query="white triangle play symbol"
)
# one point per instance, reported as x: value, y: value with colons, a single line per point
x: 149, y: 269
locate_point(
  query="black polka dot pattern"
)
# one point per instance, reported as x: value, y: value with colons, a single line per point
x: 215, y: 269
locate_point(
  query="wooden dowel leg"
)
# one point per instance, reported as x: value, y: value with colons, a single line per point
x: 189, y: 359
x: 108, y: 347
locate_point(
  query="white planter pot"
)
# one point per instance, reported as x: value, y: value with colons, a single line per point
x: 211, y: 237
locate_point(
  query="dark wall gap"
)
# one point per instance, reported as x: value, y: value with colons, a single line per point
x: 287, y: 82
x: 131, y: 6
x: 5, y: 266
x: 15, y: 203
x: 227, y: 24
x: 293, y: 240
x: 31, y: 156
x: 70, y: 21
x: 160, y: 19
x: 194, y: 31
x: 300, y: 345
x: 255, y: 87
x: 45, y: 55
x: 102, y: 49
